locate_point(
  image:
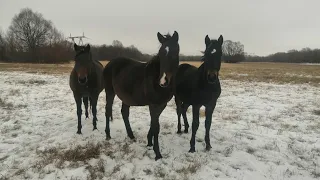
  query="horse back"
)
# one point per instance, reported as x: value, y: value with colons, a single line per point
x: 186, y: 74
x: 125, y: 77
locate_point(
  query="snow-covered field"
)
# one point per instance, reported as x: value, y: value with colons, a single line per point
x: 259, y: 131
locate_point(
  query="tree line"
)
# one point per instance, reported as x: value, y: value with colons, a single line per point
x: 305, y: 55
x: 32, y: 38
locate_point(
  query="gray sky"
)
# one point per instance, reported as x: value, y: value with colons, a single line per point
x: 263, y: 26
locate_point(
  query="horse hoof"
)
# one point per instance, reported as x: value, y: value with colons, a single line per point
x: 185, y: 131
x: 158, y: 157
x: 79, y: 132
x: 131, y: 137
x: 149, y: 146
x: 192, y: 150
x: 179, y: 132
x: 94, y: 129
x: 208, y: 147
x: 108, y: 137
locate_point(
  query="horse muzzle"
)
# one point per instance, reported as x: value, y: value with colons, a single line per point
x: 83, y: 80
x: 165, y: 80
x: 212, y: 77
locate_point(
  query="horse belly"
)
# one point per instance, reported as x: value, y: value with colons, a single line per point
x: 133, y: 96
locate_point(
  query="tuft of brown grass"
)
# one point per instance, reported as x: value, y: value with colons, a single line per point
x: 96, y: 171
x: 191, y: 168
x: 316, y: 112
x: 14, y: 92
x: 6, y: 105
x: 33, y: 81
x: 250, y: 150
x: 58, y: 157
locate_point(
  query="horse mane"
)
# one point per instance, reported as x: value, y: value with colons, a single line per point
x: 168, y: 35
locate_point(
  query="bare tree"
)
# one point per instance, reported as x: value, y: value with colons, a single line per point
x: 30, y: 30
x: 2, y: 45
x: 117, y: 43
x: 233, y: 51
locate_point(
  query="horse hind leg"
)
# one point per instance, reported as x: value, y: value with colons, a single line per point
x: 85, y: 102
x: 184, y: 115
x: 125, y: 115
x: 195, y: 126
x: 110, y: 94
x: 179, y: 111
x: 108, y: 111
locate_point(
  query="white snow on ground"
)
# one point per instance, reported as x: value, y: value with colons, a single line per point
x: 259, y: 131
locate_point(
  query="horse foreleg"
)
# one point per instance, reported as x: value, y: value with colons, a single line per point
x: 125, y: 115
x: 195, y: 126
x: 79, y: 112
x: 85, y: 102
x: 208, y: 113
x: 155, y: 111
x: 94, y: 101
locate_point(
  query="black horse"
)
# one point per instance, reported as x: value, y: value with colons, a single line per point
x: 140, y: 84
x: 86, y: 82
x: 197, y: 87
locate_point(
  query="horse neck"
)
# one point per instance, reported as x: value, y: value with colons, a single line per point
x: 202, y: 75
x: 154, y: 63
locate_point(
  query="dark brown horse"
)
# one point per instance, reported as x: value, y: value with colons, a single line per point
x: 140, y: 84
x: 199, y: 87
x: 86, y: 82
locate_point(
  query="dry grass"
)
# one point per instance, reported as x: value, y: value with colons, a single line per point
x: 261, y: 72
x: 192, y: 168
x: 14, y: 92
x: 76, y: 154
x: 316, y: 112
x: 270, y: 72
x: 33, y: 81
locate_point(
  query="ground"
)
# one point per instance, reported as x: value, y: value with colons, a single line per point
x: 260, y: 130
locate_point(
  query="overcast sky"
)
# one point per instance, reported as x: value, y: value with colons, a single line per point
x: 263, y: 26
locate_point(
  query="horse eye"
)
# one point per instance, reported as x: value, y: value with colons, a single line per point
x: 213, y: 51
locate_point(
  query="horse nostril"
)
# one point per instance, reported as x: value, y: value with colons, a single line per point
x: 165, y: 84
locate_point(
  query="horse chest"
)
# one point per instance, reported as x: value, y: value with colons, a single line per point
x: 85, y: 91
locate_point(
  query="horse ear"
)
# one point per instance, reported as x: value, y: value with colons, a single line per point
x: 87, y: 48
x: 220, y: 40
x: 175, y: 36
x: 75, y: 46
x: 161, y: 38
x: 207, y: 40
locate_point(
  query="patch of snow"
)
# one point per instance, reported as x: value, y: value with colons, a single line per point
x: 259, y: 131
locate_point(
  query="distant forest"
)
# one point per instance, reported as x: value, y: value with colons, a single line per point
x: 32, y: 38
